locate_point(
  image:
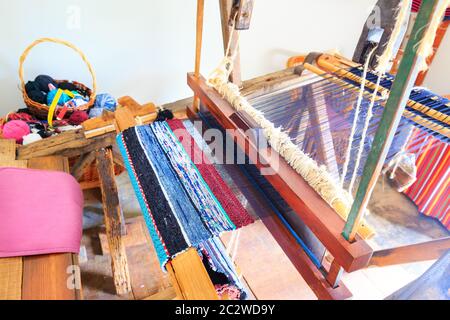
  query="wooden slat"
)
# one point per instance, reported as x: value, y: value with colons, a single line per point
x: 68, y: 144
x: 191, y: 277
x: 77, y: 170
x: 424, y: 251
x: 124, y: 119
x: 11, y: 278
x: 7, y: 149
x: 310, y: 207
x: 46, y: 277
x: 113, y: 221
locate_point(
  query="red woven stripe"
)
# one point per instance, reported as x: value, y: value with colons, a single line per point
x: 220, y: 189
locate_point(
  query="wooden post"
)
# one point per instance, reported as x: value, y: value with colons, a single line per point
x: 113, y: 221
x: 225, y: 12
x: 395, y: 106
x: 198, y: 45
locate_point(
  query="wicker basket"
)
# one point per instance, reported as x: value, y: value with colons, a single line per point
x: 41, y: 110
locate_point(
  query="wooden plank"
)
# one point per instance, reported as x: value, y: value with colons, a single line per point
x: 53, y: 163
x: 7, y: 149
x: 78, y: 168
x: 14, y: 163
x: 11, y: 278
x: 47, y: 277
x: 113, y: 221
x: 311, y: 208
x: 192, y: 278
x: 424, y: 251
x: 68, y: 144
x: 106, y: 119
x: 136, y: 109
x: 124, y: 119
x: 198, y: 44
x: 390, y: 120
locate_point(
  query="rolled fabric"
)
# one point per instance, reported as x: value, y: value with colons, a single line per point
x: 40, y: 212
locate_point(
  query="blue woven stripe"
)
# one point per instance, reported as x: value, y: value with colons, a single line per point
x: 159, y: 247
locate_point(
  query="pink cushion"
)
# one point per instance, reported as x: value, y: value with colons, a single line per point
x: 40, y: 212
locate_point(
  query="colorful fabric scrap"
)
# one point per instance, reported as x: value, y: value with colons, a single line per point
x: 221, y: 270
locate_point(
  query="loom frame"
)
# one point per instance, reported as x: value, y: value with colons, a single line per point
x: 346, y: 257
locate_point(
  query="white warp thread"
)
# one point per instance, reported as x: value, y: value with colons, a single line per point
x: 348, y: 153
x: 369, y: 117
x: 316, y: 176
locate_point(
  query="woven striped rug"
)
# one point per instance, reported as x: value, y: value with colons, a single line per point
x: 182, y: 207
x: 431, y: 191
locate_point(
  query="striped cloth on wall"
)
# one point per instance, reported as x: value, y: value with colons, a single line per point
x: 431, y: 191
x: 416, y: 6
x: 178, y: 205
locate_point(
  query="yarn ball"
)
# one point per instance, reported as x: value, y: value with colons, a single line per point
x: 62, y: 101
x: 34, y: 93
x: 44, y: 81
x: 31, y: 86
x: 16, y: 129
x: 30, y: 138
x: 164, y: 115
x: 78, y: 117
x: 95, y: 112
x: 37, y: 96
x: 105, y: 101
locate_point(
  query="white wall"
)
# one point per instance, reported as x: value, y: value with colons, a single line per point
x: 438, y: 78
x: 144, y: 48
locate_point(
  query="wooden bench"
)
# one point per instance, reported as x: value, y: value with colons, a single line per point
x: 44, y: 277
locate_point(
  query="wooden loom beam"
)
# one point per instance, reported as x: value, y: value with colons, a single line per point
x: 424, y: 251
x: 391, y: 117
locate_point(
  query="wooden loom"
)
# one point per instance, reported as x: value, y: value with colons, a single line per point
x: 350, y: 252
